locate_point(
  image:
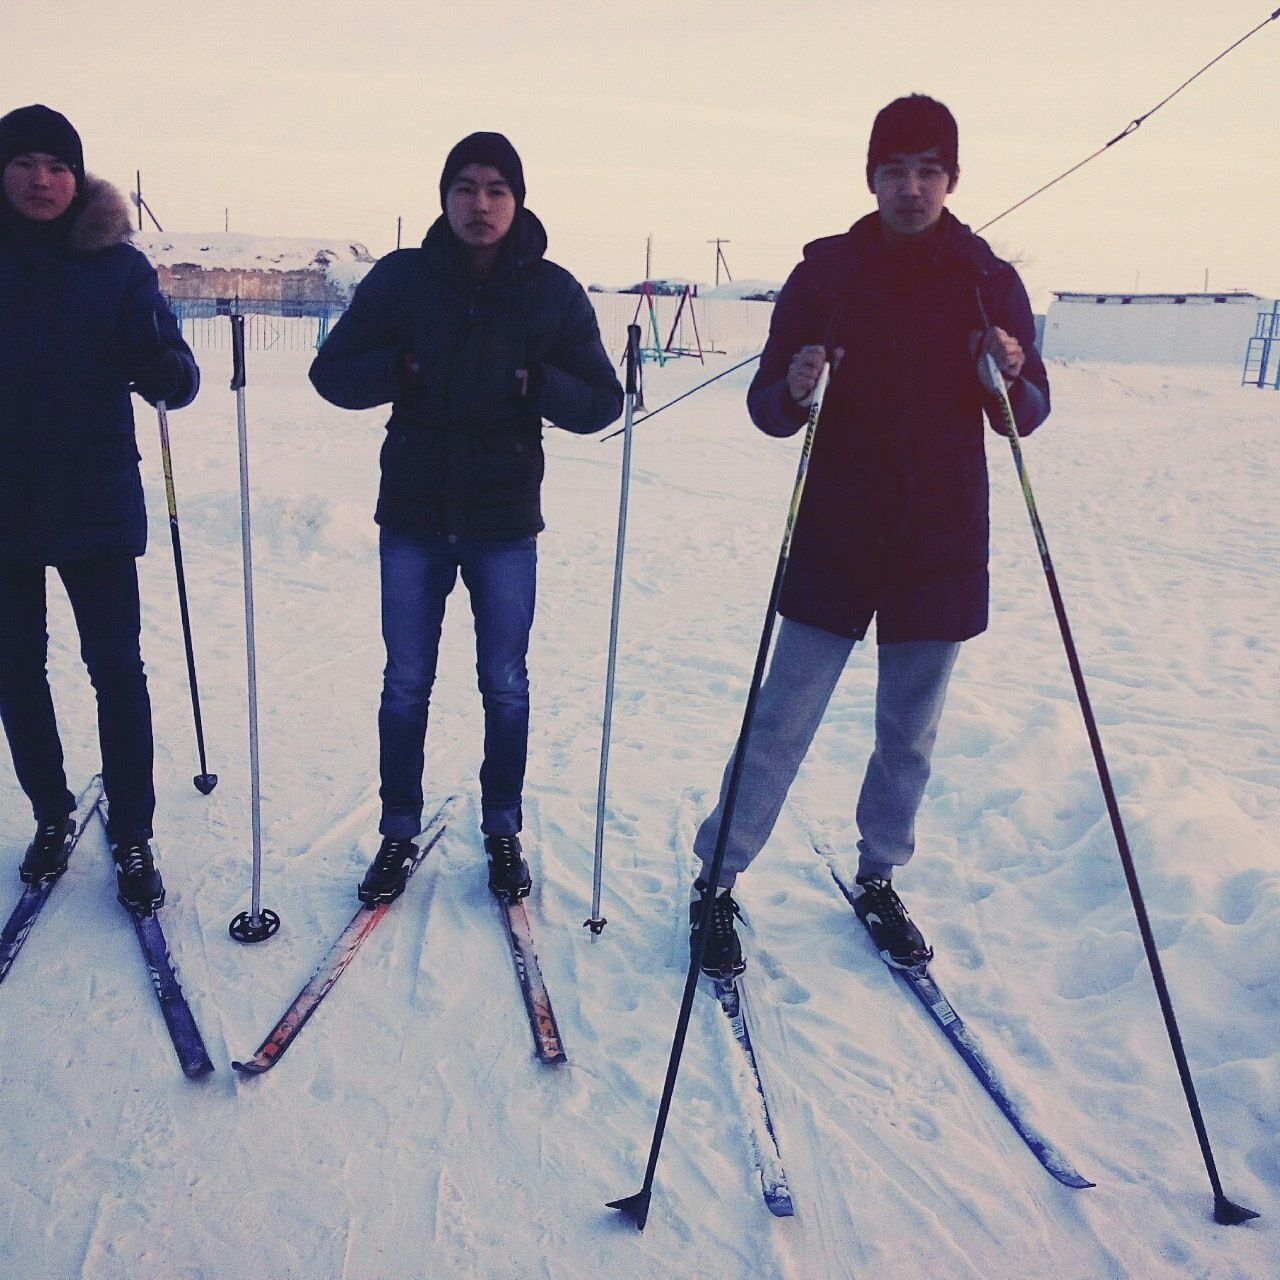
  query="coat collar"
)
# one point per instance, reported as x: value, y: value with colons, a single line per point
x: 863, y: 250
x: 97, y: 219
x: 524, y: 245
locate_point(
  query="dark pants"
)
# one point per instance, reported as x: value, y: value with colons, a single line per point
x: 417, y: 575
x: 104, y: 597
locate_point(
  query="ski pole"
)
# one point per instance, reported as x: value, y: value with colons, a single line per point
x: 597, y: 922
x: 256, y: 924
x: 636, y: 1207
x: 1224, y: 1210
x: 685, y: 395
x: 204, y: 780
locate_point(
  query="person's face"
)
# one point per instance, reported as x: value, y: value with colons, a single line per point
x: 39, y: 186
x: 480, y: 206
x: 911, y: 190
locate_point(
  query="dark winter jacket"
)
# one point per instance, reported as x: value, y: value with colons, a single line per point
x: 893, y: 522
x: 463, y: 454
x: 80, y: 315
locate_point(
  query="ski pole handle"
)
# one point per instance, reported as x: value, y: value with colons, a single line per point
x: 633, y: 357
x: 162, y: 416
x: 806, y: 451
x: 237, y: 352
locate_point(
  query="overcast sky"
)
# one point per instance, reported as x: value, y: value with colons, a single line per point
x: 686, y: 120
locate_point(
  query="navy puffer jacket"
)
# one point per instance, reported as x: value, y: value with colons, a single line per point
x: 463, y: 454
x: 80, y: 313
x: 894, y: 521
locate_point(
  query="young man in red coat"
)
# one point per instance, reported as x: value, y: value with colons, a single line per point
x: 893, y: 524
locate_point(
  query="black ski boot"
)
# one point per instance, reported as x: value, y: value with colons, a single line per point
x: 388, y: 872
x: 509, y: 876
x: 897, y: 939
x: 138, y: 883
x: 47, y: 854
x: 722, y: 956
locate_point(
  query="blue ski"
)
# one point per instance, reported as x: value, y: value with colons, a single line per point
x: 187, y: 1042
x: 773, y: 1177
x: 34, y: 897
x: 178, y: 1018
x: 952, y: 1025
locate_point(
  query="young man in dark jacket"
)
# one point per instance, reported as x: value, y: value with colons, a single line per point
x: 82, y: 323
x: 893, y: 523
x: 474, y: 339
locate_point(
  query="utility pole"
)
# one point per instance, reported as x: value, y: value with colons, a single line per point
x: 720, y: 258
x: 226, y: 218
x: 141, y: 203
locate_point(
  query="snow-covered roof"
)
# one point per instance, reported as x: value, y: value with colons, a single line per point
x: 232, y: 251
x: 768, y: 289
x: 1225, y: 295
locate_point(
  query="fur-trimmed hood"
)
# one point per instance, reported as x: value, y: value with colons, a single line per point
x: 97, y: 219
x: 102, y: 219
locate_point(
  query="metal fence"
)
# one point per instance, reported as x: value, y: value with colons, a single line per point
x: 279, y: 326
x: 717, y: 325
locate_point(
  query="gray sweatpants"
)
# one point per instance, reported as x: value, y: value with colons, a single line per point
x: 911, y: 687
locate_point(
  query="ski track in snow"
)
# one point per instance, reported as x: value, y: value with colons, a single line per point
x: 411, y: 1132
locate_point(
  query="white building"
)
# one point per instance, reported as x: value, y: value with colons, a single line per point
x: 1159, y: 328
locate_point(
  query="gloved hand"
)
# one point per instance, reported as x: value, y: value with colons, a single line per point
x: 162, y: 376
x: 407, y: 370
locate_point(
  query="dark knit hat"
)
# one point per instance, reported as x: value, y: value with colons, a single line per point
x: 910, y: 125
x: 485, y: 148
x: 38, y: 128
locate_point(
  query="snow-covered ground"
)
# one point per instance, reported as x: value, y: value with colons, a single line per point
x: 410, y: 1133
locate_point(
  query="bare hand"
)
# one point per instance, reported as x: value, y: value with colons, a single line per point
x: 1003, y: 348
x: 806, y: 368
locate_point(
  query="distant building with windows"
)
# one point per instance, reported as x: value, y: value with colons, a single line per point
x: 1152, y: 328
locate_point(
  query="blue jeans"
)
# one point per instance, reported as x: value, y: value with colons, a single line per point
x: 104, y: 598
x: 911, y: 687
x: 418, y: 572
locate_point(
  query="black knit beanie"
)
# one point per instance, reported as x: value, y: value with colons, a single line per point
x: 910, y: 125
x: 484, y: 148
x: 39, y: 129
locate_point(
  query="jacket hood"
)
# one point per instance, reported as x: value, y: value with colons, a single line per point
x: 863, y: 246
x: 525, y: 243
x: 97, y: 219
x: 103, y: 217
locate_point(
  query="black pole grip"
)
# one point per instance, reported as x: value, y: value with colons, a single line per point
x: 633, y: 357
x: 237, y: 352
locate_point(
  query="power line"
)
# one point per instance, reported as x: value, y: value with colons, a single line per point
x: 1134, y: 124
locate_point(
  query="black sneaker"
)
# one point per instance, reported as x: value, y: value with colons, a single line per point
x: 509, y: 876
x: 138, y: 883
x: 388, y: 872
x: 47, y: 854
x: 897, y: 939
x: 722, y: 956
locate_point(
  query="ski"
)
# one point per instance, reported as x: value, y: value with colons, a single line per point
x: 187, y: 1042
x: 732, y: 997
x: 362, y: 924
x: 34, y: 897
x: 193, y: 1057
x: 939, y: 1008
x: 537, y: 1000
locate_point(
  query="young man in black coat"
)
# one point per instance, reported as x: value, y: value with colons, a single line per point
x: 474, y: 339
x: 893, y: 523
x: 82, y: 323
